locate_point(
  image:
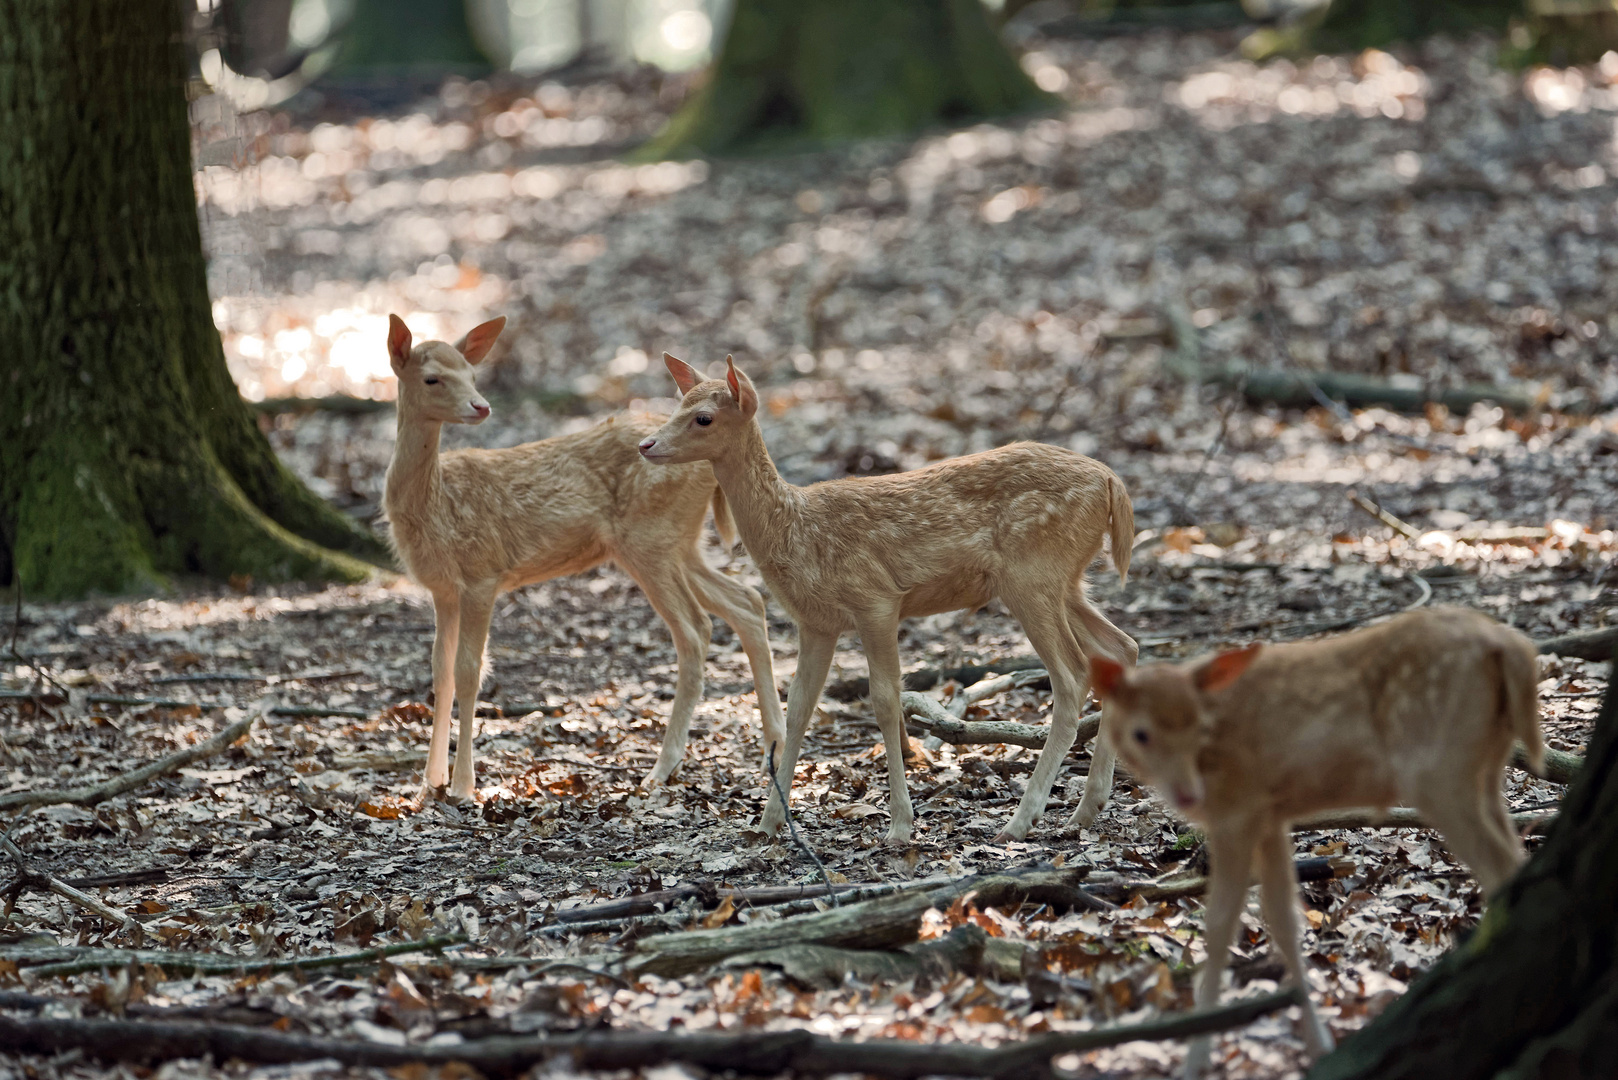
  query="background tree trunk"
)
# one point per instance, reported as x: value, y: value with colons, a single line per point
x: 126, y: 452
x: 817, y: 71
x: 392, y: 38
x: 1534, y: 991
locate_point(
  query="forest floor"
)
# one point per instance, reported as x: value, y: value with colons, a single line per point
x: 1426, y: 218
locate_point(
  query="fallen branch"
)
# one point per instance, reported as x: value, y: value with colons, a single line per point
x: 936, y: 720
x: 27, y: 877
x: 707, y: 893
x: 753, y: 1052
x: 1397, y: 817
x: 1586, y: 645
x: 91, y: 794
x: 1302, y: 390
x: 1124, y: 890
x: 72, y: 960
x: 882, y: 923
x: 1560, y: 766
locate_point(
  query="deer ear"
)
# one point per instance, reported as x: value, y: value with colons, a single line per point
x: 398, y: 343
x: 480, y: 339
x: 1216, y: 674
x: 1106, y: 676
x: 685, y: 376
x: 741, y: 388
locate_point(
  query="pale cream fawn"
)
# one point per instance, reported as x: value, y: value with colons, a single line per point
x: 1022, y: 522
x: 1421, y: 709
x: 471, y: 524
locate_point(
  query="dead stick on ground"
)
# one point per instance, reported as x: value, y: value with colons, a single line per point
x: 792, y: 827
x: 49, y: 961
x: 1586, y: 645
x: 28, y: 877
x: 1403, y: 528
x: 91, y: 794
x: 758, y: 1053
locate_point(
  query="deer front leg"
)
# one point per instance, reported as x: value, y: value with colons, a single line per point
x: 446, y: 629
x: 477, y: 607
x: 879, y: 635
x: 815, y: 649
x: 1230, y: 861
x: 1278, y: 895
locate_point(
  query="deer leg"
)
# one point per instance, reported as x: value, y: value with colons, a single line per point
x: 477, y: 608
x: 743, y: 609
x: 1455, y: 806
x: 815, y: 649
x: 1278, y: 896
x: 1230, y: 861
x: 879, y: 636
x: 673, y: 599
x: 446, y: 629
x: 1046, y: 628
x: 1095, y: 634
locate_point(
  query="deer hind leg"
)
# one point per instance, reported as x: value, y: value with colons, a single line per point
x: 1095, y: 634
x: 743, y: 609
x: 1230, y: 861
x: 815, y: 650
x: 879, y: 636
x: 1459, y: 810
x: 446, y: 631
x: 1045, y: 623
x: 477, y: 608
x: 1278, y: 896
x: 676, y: 602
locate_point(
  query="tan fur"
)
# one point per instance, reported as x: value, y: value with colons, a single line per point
x: 1420, y: 710
x: 1021, y: 523
x: 471, y: 524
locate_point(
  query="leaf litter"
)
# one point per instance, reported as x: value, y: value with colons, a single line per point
x: 1425, y: 216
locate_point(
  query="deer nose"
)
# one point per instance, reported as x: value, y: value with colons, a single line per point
x: 481, y: 409
x: 647, y: 445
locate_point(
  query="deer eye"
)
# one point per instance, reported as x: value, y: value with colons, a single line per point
x: 1142, y: 737
x: 704, y: 421
x: 431, y: 380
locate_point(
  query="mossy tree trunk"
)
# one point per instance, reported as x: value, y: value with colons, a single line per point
x: 126, y: 452
x: 794, y: 72
x: 394, y: 38
x: 1534, y: 991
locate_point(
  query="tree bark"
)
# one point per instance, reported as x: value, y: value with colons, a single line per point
x: 794, y: 73
x: 1534, y: 991
x: 393, y: 38
x: 126, y: 452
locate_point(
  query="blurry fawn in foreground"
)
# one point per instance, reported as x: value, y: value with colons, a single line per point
x: 1421, y: 710
x: 1022, y: 523
x: 471, y: 524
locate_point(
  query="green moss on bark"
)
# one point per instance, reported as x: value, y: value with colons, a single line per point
x: 793, y: 73
x: 126, y: 453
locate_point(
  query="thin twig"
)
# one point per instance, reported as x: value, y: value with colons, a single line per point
x: 1403, y: 528
x: 27, y: 876
x: 792, y: 827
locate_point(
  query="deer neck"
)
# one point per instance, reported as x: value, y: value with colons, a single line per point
x: 763, y: 504
x: 414, y: 480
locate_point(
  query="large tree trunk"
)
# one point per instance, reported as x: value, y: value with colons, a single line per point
x: 126, y: 452
x: 817, y: 71
x: 1534, y: 991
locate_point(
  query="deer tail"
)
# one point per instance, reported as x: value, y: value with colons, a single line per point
x: 1122, y: 512
x: 722, y: 521
x: 1519, y: 705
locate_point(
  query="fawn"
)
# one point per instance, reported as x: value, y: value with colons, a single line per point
x: 471, y: 524
x: 1022, y: 522
x: 1421, y: 709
